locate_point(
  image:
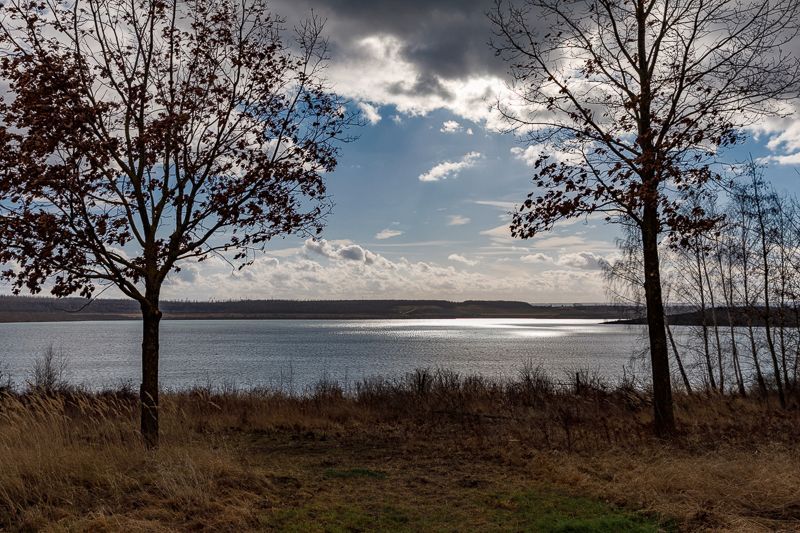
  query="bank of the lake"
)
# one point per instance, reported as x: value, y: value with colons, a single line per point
x: 433, y: 452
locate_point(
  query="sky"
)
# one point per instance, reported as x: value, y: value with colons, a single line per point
x: 422, y: 196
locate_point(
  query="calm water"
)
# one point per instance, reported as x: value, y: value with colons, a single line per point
x: 292, y: 354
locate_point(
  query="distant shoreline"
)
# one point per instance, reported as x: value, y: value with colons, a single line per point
x: 35, y: 309
x: 194, y: 318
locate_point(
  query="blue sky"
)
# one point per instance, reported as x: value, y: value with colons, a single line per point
x: 395, y: 233
x: 422, y: 196
x: 441, y: 236
x: 378, y: 187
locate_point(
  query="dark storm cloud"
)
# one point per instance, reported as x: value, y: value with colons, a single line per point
x: 442, y: 38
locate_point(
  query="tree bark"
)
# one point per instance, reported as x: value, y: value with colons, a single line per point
x: 762, y: 384
x: 765, y: 259
x: 151, y: 318
x: 715, y: 323
x: 659, y: 357
x: 727, y: 285
x: 664, y: 420
x: 685, y: 378
x: 703, y: 321
x: 748, y: 305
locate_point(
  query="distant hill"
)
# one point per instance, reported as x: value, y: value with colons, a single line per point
x: 36, y: 309
x: 736, y: 316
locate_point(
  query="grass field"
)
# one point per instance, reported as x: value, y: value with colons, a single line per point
x: 433, y: 452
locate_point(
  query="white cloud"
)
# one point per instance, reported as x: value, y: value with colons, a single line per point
x: 783, y: 137
x: 500, y: 234
x: 527, y: 155
x: 536, y: 258
x: 783, y: 132
x: 344, y: 270
x: 189, y: 274
x: 321, y: 247
x: 461, y: 259
x: 530, y: 154
x: 503, y: 205
x: 416, y: 244
x: 457, y: 220
x: 352, y: 252
x: 394, y: 80
x: 387, y: 233
x: 370, y: 112
x: 582, y: 260
x: 556, y: 242
x: 337, y: 250
x: 453, y: 126
x: 572, y: 244
x: 498, y: 249
x: 450, y: 126
x: 450, y: 169
x: 790, y: 159
x: 326, y: 269
x: 501, y: 237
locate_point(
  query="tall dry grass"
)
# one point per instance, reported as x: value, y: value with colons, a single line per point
x: 74, y: 457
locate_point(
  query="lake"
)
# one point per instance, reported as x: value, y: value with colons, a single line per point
x: 294, y: 354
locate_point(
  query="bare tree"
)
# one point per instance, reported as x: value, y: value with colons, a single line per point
x: 724, y: 255
x: 638, y: 97
x: 625, y: 283
x: 695, y: 247
x: 140, y: 134
x: 785, y: 248
x: 743, y: 256
x: 761, y: 203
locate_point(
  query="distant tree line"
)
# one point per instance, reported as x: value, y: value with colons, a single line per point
x: 17, y: 308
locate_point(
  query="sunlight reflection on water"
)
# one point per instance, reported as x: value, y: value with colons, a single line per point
x: 296, y: 353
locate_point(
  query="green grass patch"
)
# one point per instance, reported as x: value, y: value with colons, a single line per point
x: 541, y: 510
x: 552, y: 512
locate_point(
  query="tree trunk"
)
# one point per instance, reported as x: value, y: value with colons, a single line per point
x: 787, y: 383
x: 783, y: 222
x: 727, y: 285
x: 703, y: 321
x: 659, y: 356
x: 151, y: 318
x: 765, y: 259
x: 748, y: 305
x: 715, y: 324
x: 737, y: 367
x: 685, y: 378
x: 664, y: 421
x: 762, y: 385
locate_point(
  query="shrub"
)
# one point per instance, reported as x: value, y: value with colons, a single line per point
x: 48, y: 375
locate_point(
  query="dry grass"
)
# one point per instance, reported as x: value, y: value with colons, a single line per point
x: 432, y: 451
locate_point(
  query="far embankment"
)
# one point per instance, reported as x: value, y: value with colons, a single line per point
x: 41, y: 309
x: 755, y: 316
